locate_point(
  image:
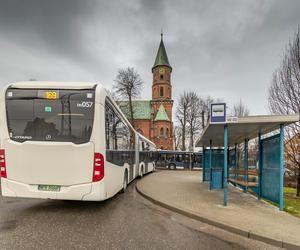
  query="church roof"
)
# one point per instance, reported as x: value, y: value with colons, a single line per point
x: 161, y: 114
x: 161, y: 57
x: 141, y: 109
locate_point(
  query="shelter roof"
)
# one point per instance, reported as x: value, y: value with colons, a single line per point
x: 241, y: 128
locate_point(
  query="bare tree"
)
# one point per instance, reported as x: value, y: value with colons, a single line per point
x: 284, y: 98
x: 128, y: 85
x: 194, y: 116
x: 240, y: 109
x: 113, y: 95
x: 177, y: 136
x: 193, y: 113
x: 181, y: 115
x: 205, y: 109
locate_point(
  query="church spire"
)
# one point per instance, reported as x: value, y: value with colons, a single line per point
x: 161, y: 57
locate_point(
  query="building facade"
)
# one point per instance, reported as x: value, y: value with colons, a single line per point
x: 153, y: 118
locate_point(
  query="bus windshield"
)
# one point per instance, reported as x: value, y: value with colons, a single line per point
x: 50, y: 115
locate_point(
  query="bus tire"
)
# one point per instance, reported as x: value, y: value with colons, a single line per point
x: 125, y: 182
x: 172, y: 166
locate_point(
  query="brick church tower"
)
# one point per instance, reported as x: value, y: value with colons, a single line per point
x: 162, y: 103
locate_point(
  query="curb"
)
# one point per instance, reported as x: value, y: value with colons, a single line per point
x: 244, y: 233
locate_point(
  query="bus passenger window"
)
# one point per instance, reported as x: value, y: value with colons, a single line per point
x: 120, y: 139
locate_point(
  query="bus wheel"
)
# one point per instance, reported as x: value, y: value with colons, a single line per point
x: 172, y: 166
x: 125, y: 182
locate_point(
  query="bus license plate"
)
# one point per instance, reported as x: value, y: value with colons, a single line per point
x: 51, y: 188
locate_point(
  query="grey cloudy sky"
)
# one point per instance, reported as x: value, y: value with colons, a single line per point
x: 226, y: 49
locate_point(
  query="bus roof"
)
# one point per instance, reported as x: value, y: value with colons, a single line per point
x: 53, y: 84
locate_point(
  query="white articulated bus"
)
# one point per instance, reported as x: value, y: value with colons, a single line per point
x: 67, y: 141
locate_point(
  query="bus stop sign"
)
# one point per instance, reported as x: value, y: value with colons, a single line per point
x: 218, y: 112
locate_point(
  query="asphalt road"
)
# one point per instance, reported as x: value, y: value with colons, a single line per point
x: 126, y: 221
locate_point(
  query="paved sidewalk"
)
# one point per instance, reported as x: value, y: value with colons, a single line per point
x: 184, y: 192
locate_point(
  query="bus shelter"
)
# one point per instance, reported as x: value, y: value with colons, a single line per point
x: 226, y: 160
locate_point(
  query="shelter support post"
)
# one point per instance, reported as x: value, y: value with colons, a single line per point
x: 259, y: 166
x: 235, y: 161
x: 246, y: 163
x: 225, y: 164
x: 210, y: 164
x: 281, y: 168
x: 203, y: 163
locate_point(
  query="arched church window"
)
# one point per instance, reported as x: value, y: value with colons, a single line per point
x: 161, y: 91
x: 161, y: 132
x: 167, y: 132
x: 161, y: 77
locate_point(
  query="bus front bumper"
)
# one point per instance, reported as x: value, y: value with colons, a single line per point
x: 88, y: 192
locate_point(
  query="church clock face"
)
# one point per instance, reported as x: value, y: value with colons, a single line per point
x: 161, y: 70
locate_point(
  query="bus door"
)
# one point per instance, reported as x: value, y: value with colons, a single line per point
x: 146, y: 150
x: 133, y: 158
x: 138, y: 155
x: 131, y: 164
x: 197, y: 163
x: 185, y: 162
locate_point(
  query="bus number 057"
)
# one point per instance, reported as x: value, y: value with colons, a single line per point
x: 85, y: 104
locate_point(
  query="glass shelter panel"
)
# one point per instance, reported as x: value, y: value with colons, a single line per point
x: 270, y: 168
x: 217, y: 162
